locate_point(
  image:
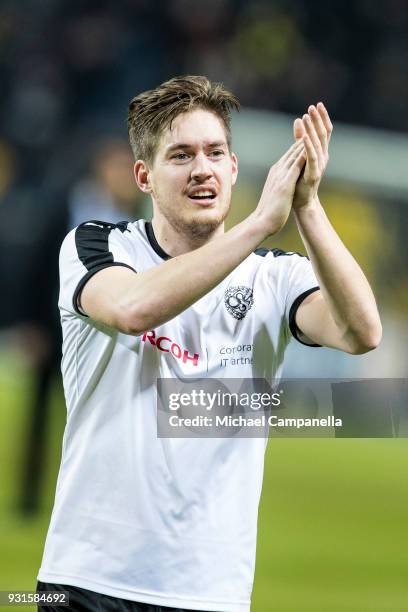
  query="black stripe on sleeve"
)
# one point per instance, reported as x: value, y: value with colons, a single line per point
x: 92, y: 243
x: 292, y: 315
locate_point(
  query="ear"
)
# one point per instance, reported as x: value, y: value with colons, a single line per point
x: 234, y: 161
x: 141, y: 172
x: 298, y: 129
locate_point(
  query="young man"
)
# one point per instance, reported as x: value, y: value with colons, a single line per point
x: 144, y: 523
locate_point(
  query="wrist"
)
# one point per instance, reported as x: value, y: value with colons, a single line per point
x: 307, y: 209
x: 257, y: 227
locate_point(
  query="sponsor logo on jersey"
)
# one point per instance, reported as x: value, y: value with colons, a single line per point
x: 166, y: 345
x: 238, y: 300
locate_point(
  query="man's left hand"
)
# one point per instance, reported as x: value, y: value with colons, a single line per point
x: 315, y: 130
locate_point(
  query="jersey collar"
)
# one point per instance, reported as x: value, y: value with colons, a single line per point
x: 153, y: 242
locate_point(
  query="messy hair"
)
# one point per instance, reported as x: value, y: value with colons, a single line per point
x: 151, y: 112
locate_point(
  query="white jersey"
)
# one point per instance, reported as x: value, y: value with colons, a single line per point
x: 163, y: 521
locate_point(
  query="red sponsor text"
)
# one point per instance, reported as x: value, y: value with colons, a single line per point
x: 166, y: 345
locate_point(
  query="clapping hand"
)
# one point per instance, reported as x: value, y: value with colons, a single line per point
x: 314, y: 129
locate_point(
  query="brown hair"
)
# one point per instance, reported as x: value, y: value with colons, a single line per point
x: 151, y: 112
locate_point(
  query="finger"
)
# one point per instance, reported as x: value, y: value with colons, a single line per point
x: 295, y: 147
x: 312, y: 158
x: 296, y: 153
x: 313, y: 137
x: 319, y: 126
x: 326, y: 119
x: 298, y: 164
x: 298, y: 129
x: 311, y: 132
x: 300, y: 160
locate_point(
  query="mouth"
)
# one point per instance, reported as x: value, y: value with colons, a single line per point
x: 203, y: 197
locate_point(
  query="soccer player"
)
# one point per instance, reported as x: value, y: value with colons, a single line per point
x: 142, y: 523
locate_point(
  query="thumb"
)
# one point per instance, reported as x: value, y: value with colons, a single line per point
x: 298, y: 129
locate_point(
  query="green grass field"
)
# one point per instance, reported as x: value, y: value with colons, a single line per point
x: 332, y: 525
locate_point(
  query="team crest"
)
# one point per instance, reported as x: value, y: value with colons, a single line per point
x: 238, y: 300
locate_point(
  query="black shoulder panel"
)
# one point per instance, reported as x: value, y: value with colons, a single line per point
x: 262, y: 252
x: 92, y: 243
x: 122, y: 226
x: 277, y: 252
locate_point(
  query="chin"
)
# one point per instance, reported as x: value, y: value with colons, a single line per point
x: 199, y: 224
x: 205, y: 222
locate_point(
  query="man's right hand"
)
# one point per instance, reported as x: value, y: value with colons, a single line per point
x: 276, y: 200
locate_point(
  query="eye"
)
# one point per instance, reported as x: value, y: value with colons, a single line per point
x: 217, y: 153
x: 179, y: 156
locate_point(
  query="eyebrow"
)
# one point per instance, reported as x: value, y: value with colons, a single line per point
x: 181, y: 145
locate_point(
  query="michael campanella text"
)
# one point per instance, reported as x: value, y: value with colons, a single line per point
x: 259, y: 421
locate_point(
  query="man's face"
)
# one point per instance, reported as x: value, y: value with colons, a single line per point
x: 192, y: 173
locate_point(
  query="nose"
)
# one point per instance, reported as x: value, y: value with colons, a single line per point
x: 201, y: 169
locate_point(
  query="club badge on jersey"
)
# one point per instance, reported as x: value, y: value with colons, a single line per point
x: 238, y: 300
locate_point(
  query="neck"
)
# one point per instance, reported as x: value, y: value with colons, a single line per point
x: 174, y: 242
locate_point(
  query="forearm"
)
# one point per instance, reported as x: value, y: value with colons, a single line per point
x: 161, y: 293
x: 345, y: 289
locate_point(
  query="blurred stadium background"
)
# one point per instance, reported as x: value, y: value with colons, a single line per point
x: 333, y: 525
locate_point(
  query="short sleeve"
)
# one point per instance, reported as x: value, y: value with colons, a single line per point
x: 87, y: 249
x: 293, y: 280
x: 301, y: 282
